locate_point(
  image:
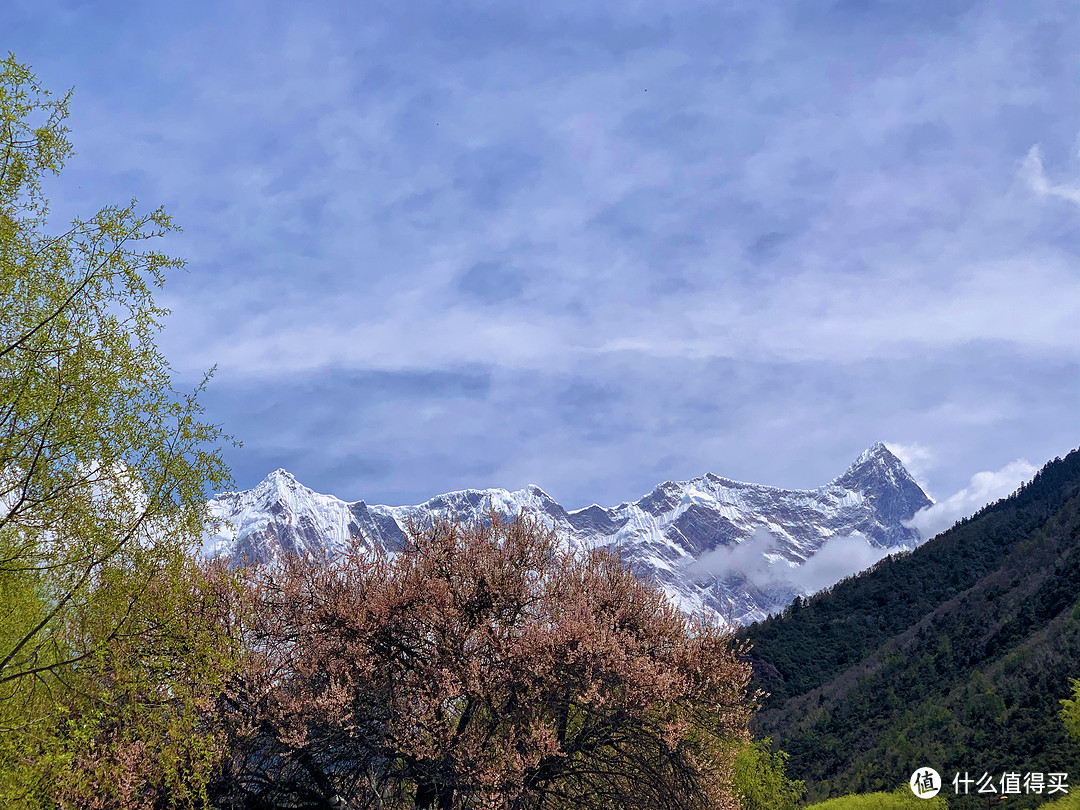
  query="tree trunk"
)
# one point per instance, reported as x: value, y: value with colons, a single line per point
x: 430, y: 795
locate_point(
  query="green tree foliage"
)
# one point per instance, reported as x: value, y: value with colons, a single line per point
x: 106, y: 628
x: 480, y: 667
x: 760, y: 779
x: 1070, y: 711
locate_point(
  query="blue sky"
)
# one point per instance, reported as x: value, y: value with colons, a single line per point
x: 595, y: 246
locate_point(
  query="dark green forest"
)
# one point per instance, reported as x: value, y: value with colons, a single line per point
x: 955, y: 655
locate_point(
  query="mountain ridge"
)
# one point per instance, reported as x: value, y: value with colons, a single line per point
x: 662, y: 535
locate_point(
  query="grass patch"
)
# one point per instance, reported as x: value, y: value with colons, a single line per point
x: 900, y: 799
x: 1070, y: 802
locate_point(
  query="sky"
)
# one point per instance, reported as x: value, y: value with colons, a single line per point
x: 596, y: 246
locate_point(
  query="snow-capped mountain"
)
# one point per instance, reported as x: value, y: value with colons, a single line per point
x: 710, y: 542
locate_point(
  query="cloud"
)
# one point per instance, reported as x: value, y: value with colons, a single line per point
x: 756, y: 560
x: 746, y: 227
x: 984, y: 488
x: 1033, y: 172
x: 532, y: 146
x: 916, y: 458
x: 1027, y: 305
x: 610, y: 431
x: 839, y: 557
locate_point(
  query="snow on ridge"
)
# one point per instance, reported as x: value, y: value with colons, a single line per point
x: 662, y: 535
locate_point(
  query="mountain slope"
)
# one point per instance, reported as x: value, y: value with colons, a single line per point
x: 953, y: 656
x: 664, y: 535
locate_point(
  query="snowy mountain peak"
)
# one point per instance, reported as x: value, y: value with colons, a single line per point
x: 279, y: 477
x: 278, y: 482
x: 876, y: 455
x: 684, y: 535
x: 875, y: 464
x: 883, y: 479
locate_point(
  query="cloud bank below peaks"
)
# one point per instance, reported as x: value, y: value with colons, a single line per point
x: 757, y: 560
x: 984, y: 488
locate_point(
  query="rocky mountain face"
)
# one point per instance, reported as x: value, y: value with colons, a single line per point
x: 711, y: 543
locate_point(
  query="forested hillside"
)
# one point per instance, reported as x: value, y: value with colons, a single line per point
x: 954, y: 656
